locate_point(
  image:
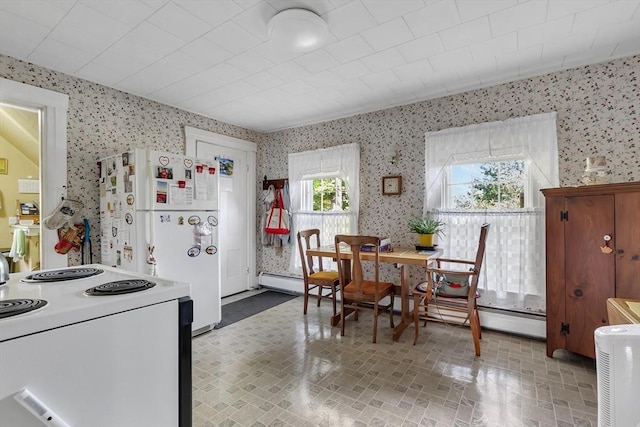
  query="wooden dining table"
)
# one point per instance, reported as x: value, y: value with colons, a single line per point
x: 402, y: 257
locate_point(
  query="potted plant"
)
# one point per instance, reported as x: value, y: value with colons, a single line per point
x: 426, y: 227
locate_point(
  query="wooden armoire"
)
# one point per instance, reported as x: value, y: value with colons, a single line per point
x: 592, y: 253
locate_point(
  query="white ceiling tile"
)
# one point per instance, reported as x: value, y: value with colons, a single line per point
x: 177, y: 21
x: 565, y: 46
x: 387, y: 35
x: 627, y: 48
x: 297, y: 87
x: 88, y: 29
x: 349, y: 19
x: 59, y: 56
x: 247, y: 4
x: 255, y: 19
x: 130, y: 12
x: 250, y: 62
x: 619, y: 33
x: 43, y: 12
x: 421, y: 48
x: 407, y: 72
x: 232, y: 37
x: 465, y: 34
x: 523, y: 15
x: 350, y: 70
x: 262, y: 81
x: 225, y: 73
x: 207, y: 51
x: 18, y: 36
x: 528, y: 57
x: 95, y: 72
x: 433, y: 18
x: 496, y: 46
x: 349, y: 49
x: 288, y: 71
x: 614, y: 13
x: 577, y: 59
x: 323, y: 79
x: 383, y: 60
x: 452, y: 60
x: 154, y: 38
x: 561, y: 8
x: 545, y: 32
x: 316, y: 61
x: 318, y: 7
x: 129, y: 56
x: 202, y: 82
x: 474, y: 9
x: 385, y: 10
x: 212, y: 12
x: 380, y: 79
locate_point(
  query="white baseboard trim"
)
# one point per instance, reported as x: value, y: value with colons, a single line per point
x: 531, y: 326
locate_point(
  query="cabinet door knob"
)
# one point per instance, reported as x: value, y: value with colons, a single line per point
x: 578, y: 292
x: 607, y: 237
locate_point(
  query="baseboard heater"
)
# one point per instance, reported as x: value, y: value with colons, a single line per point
x: 498, y: 320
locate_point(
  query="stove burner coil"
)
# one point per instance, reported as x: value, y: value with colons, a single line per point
x: 120, y: 287
x: 13, y: 307
x: 62, y: 274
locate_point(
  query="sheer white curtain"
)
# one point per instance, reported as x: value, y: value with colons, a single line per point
x: 514, y: 266
x: 336, y: 162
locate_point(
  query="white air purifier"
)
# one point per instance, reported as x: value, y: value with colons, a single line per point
x: 618, y: 368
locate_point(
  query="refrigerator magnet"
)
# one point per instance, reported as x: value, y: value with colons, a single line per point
x: 187, y: 174
x: 193, y: 251
x: 130, y: 199
x: 194, y: 220
x: 188, y: 163
x: 128, y: 218
x: 180, y: 220
x: 212, y: 220
x: 211, y: 250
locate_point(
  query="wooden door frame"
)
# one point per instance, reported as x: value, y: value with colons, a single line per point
x: 192, y: 135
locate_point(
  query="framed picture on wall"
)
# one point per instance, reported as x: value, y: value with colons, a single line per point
x: 4, y: 166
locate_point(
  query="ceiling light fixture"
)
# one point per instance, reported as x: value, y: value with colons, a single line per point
x: 297, y: 30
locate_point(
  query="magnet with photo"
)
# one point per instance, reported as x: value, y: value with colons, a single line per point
x: 187, y: 174
x: 125, y: 159
x: 130, y: 199
x: 194, y: 220
x: 161, y: 192
x: 211, y: 250
x: 212, y: 220
x: 193, y: 251
x: 180, y: 220
x: 128, y: 218
x: 163, y: 172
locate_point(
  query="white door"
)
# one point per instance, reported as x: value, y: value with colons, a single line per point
x: 237, y: 216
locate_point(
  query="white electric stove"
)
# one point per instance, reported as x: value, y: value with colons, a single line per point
x: 96, y: 340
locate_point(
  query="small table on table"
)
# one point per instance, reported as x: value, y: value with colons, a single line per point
x: 402, y: 256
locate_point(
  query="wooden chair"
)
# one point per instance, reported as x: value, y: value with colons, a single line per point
x: 313, y: 279
x: 440, y: 300
x: 354, y: 288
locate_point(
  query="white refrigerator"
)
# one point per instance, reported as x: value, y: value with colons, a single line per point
x: 158, y: 215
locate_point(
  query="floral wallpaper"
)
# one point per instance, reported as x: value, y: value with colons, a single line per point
x: 597, y: 106
x: 598, y: 110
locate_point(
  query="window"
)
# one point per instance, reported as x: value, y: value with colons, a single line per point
x: 325, y: 195
x: 324, y: 187
x: 492, y: 173
x: 487, y: 185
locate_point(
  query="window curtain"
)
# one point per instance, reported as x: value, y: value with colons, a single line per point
x: 336, y: 162
x: 513, y: 273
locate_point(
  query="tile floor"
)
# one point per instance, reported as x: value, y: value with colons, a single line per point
x: 280, y: 368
